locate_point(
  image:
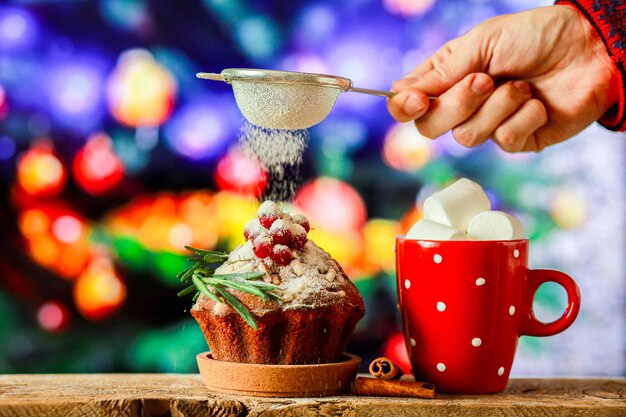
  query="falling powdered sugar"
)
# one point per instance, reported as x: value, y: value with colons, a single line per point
x: 280, y: 153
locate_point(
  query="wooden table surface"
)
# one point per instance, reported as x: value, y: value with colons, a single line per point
x: 160, y: 395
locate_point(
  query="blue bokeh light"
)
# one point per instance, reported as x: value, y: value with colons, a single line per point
x: 7, y: 148
x: 74, y: 91
x: 18, y: 29
x: 314, y: 27
x: 344, y: 132
x: 202, y: 129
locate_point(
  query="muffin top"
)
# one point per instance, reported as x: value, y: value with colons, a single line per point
x: 305, y: 275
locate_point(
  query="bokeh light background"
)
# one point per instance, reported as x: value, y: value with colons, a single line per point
x: 113, y: 156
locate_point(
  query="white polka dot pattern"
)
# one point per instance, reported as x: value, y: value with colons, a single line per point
x: 441, y: 367
x: 476, y: 342
x: 516, y: 253
x: 480, y: 281
x: 413, y: 342
x: 501, y: 371
x: 441, y: 306
x: 437, y: 258
x: 407, y: 284
x: 511, y: 310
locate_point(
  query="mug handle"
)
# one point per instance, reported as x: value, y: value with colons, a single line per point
x: 533, y: 327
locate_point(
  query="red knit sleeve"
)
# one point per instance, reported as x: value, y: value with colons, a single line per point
x: 608, y: 17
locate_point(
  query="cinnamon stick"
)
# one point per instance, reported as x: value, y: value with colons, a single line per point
x: 384, y: 368
x: 377, y: 387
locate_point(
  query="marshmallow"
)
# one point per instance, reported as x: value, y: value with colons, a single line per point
x: 495, y: 225
x: 430, y: 230
x: 456, y: 204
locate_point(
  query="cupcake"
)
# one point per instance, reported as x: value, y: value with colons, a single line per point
x: 302, y: 308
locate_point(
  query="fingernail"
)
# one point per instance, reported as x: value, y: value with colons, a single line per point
x: 412, y: 104
x: 482, y: 84
x: 522, y: 86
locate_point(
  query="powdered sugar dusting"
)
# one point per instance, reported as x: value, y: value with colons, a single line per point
x: 280, y: 154
x: 297, y: 229
x: 313, y: 279
x: 284, y: 106
x: 268, y: 208
x: 252, y: 228
x: 263, y: 238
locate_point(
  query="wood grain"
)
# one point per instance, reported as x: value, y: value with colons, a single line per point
x: 159, y: 395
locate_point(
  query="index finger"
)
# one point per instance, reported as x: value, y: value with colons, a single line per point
x: 446, y: 67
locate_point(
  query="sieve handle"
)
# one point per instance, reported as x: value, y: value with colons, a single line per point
x: 380, y: 93
x: 372, y: 92
x: 211, y: 76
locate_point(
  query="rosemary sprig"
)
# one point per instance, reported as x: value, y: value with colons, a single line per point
x: 204, y: 281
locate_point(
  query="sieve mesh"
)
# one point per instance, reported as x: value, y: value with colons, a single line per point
x: 284, y: 105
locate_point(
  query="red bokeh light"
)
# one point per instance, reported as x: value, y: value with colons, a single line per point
x: 332, y: 204
x: 241, y: 174
x: 53, y: 316
x: 96, y: 168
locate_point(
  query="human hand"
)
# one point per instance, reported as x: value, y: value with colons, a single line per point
x: 553, y: 77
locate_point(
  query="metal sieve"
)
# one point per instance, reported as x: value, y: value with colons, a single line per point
x: 285, y: 99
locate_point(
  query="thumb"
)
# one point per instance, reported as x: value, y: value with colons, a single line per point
x: 450, y: 64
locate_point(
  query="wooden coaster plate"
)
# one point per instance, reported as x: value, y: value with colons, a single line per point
x: 278, y: 380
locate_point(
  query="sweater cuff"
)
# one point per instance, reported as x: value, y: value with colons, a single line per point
x: 608, y: 17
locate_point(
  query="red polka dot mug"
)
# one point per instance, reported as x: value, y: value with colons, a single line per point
x: 464, y: 305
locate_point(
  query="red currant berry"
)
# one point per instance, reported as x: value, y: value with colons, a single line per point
x: 298, y: 239
x: 281, y: 232
x: 267, y: 213
x: 262, y: 245
x: 281, y: 255
x: 252, y: 229
x: 302, y: 221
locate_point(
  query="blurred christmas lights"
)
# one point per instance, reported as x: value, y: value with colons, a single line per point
x: 357, y: 59
x: 39, y: 171
x: 33, y: 222
x: 201, y: 130
x: 379, y: 236
x: 45, y: 250
x: 405, y: 149
x: 7, y: 148
x: 53, y: 316
x: 569, y: 209
x: 342, y: 133
x: 68, y: 229
x: 96, y: 168
x: 409, y: 8
x: 258, y: 36
x: 239, y: 173
x: 304, y: 62
x: 74, y: 93
x: 56, y: 238
x: 17, y: 28
x: 99, y: 291
x: 410, y: 218
x: 333, y: 204
x: 315, y: 26
x: 140, y: 92
x: 127, y: 15
x: 4, y: 104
